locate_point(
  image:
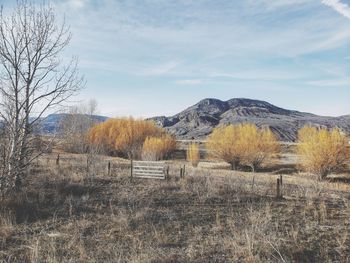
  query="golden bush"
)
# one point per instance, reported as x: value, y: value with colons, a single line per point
x: 256, y: 145
x: 242, y: 144
x: 222, y: 143
x: 193, y: 154
x: 158, y: 148
x: 322, y: 151
x: 125, y: 135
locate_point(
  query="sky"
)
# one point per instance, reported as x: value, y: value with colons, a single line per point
x: 146, y: 58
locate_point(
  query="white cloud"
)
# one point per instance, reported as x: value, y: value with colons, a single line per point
x: 338, y: 6
x: 115, y: 28
x: 77, y: 4
x: 189, y: 81
x: 231, y: 45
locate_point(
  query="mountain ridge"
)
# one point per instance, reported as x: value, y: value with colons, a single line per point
x: 51, y: 123
x: 197, y: 121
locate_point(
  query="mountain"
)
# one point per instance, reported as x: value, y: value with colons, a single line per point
x: 51, y: 123
x: 198, y: 121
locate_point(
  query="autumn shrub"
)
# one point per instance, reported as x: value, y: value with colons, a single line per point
x: 125, y: 136
x: 222, y: 143
x: 158, y: 148
x: 242, y: 144
x: 193, y: 154
x: 322, y: 151
x: 256, y: 145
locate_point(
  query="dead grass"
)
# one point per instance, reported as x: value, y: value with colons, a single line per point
x: 66, y: 214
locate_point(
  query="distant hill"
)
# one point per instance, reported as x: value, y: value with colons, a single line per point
x: 51, y: 123
x: 198, y: 121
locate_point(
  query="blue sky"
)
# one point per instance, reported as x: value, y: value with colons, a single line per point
x: 157, y: 57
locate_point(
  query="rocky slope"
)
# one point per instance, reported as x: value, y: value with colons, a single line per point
x: 198, y: 121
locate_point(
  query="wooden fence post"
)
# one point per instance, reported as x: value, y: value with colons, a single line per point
x: 281, y: 186
x: 253, y: 183
x: 58, y: 159
x: 109, y: 168
x: 131, y: 168
x: 87, y: 164
x: 278, y: 188
x: 281, y: 180
x: 167, y: 173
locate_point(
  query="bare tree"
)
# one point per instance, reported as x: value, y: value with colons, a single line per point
x: 74, y: 134
x: 75, y: 126
x: 33, y: 79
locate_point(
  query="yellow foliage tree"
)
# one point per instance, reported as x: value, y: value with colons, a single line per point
x: 242, y: 144
x: 125, y: 135
x: 193, y: 155
x: 322, y: 151
x: 169, y: 145
x: 158, y: 148
x: 256, y: 145
x: 223, y: 143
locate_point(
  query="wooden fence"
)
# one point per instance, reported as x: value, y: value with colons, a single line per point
x: 151, y: 170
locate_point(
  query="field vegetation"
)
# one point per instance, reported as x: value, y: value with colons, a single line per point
x: 322, y: 151
x: 158, y: 148
x: 213, y: 214
x: 242, y: 144
x: 86, y: 208
x: 130, y: 138
x: 193, y: 154
x: 245, y: 197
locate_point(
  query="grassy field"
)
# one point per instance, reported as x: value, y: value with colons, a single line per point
x: 68, y: 213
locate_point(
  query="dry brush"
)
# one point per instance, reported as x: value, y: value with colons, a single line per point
x: 322, y: 151
x: 131, y: 137
x: 242, y: 144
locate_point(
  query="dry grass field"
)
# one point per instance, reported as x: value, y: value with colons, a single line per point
x: 67, y: 213
x: 148, y: 60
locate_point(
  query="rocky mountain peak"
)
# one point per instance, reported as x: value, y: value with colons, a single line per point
x: 200, y: 119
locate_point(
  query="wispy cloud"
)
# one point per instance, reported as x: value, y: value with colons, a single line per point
x: 330, y: 82
x: 189, y: 81
x: 77, y: 3
x: 338, y: 6
x: 226, y: 45
x: 259, y: 75
x: 161, y: 69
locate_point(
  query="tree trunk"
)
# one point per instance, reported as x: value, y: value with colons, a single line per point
x: 234, y: 164
x: 12, y: 160
x: 253, y: 168
x: 23, y: 158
